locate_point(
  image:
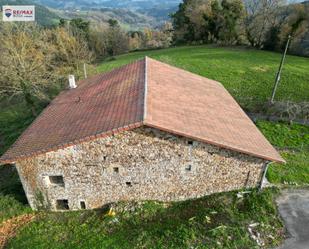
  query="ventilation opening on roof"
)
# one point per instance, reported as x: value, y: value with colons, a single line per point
x: 56, y: 180
x: 62, y: 205
x: 188, y: 168
x: 83, y: 205
x: 129, y: 184
x: 116, y: 170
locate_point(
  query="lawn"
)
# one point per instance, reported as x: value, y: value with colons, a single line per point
x: 295, y: 172
x: 246, y: 73
x: 216, y: 221
x: 13, y: 121
x: 293, y: 142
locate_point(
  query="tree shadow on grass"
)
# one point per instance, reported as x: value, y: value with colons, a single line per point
x: 10, y: 184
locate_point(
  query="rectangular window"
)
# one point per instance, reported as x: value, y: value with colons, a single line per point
x: 82, y: 205
x: 62, y: 205
x: 56, y: 180
x: 189, y: 168
x: 129, y: 184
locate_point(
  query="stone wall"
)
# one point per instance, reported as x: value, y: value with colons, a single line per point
x: 143, y: 164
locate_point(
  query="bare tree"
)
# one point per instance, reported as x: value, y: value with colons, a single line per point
x: 25, y: 63
x: 33, y: 59
x: 261, y: 16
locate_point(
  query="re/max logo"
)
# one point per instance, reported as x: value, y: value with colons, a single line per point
x: 19, y: 13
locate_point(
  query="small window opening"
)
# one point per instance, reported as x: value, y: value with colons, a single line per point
x: 104, y: 158
x: 189, y: 168
x: 129, y: 184
x: 62, y: 205
x: 57, y: 180
x: 116, y: 169
x: 82, y: 205
x: 190, y: 142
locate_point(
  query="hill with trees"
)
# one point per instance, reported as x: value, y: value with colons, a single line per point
x: 48, y: 13
x: 152, y: 12
x: 129, y: 20
x: 128, y: 4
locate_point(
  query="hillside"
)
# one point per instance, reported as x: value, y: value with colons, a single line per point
x: 131, y: 16
x: 43, y: 15
x: 139, y: 13
x: 129, y: 4
x: 127, y: 19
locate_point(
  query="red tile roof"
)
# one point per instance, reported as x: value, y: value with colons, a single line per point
x: 99, y: 105
x: 193, y: 106
x: 175, y: 101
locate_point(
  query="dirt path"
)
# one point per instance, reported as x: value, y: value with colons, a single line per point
x: 9, y: 228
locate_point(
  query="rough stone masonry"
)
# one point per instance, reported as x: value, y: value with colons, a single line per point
x: 141, y: 164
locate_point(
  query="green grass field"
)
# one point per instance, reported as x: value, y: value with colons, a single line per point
x: 246, y: 73
x: 217, y: 221
x: 293, y: 142
x: 13, y: 121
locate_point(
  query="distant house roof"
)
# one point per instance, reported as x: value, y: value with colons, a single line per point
x: 146, y: 92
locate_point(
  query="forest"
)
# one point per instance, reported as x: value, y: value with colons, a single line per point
x: 260, y: 24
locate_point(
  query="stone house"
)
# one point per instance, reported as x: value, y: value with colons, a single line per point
x: 145, y: 131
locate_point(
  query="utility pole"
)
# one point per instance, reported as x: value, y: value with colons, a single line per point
x: 85, y: 71
x: 280, y: 70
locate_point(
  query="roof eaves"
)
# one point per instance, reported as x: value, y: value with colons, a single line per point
x: 279, y: 159
x: 4, y: 161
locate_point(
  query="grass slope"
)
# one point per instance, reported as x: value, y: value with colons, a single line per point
x: 246, y: 73
x: 294, y: 172
x: 285, y: 136
x: 13, y: 121
x: 216, y: 221
x: 12, y: 197
x: 293, y: 141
